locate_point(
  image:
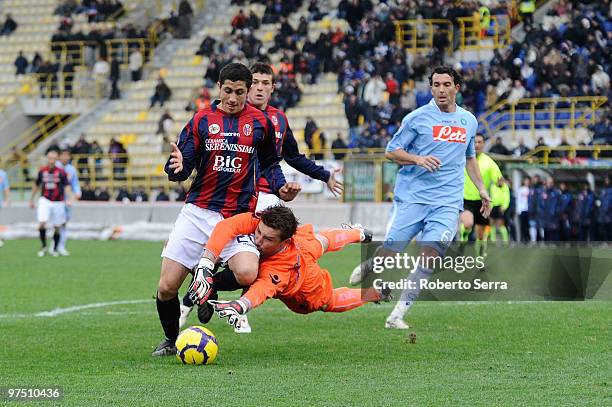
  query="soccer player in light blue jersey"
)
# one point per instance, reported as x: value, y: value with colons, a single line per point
x: 433, y: 146
x: 73, y: 181
x: 4, y: 193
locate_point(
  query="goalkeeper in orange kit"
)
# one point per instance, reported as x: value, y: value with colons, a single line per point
x: 288, y: 268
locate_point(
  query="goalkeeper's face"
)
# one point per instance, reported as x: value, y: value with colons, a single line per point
x: 233, y: 96
x: 268, y: 240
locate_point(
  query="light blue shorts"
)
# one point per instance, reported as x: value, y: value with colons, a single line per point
x: 435, y: 226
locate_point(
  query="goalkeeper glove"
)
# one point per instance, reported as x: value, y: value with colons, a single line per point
x: 201, y: 285
x: 234, y: 310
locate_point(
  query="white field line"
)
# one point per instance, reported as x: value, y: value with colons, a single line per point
x: 60, y: 311
x: 79, y: 308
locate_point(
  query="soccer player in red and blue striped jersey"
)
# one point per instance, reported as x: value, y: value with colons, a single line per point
x: 286, y: 144
x: 52, y: 182
x: 227, y: 144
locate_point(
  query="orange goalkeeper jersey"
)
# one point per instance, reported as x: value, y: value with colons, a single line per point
x: 291, y: 275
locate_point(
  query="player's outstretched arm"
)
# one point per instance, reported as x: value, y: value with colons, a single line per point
x: 184, y: 153
x: 471, y: 166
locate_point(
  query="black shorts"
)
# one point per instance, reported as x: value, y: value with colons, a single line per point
x: 496, y: 213
x: 474, y: 207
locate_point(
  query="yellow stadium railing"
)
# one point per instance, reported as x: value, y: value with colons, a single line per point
x: 476, y: 37
x: 80, y: 51
x: 26, y: 142
x: 418, y: 35
x: 529, y: 115
x: 555, y: 155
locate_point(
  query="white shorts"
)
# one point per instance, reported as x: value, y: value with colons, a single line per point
x: 192, y: 230
x: 265, y: 200
x: 53, y: 212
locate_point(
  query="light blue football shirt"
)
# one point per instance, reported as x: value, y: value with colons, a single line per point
x: 73, y: 178
x: 4, y: 184
x: 447, y: 136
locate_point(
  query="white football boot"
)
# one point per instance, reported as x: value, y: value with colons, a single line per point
x: 244, y: 327
x: 185, y: 311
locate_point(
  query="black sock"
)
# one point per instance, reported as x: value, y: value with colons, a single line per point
x: 169, y: 313
x: 225, y: 280
x: 187, y: 300
x: 43, y: 236
x: 56, y: 237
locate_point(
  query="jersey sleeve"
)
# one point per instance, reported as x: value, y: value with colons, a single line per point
x: 4, y: 184
x: 403, y: 136
x: 275, y: 177
x: 39, y: 178
x: 63, y: 178
x: 269, y: 283
x: 470, y: 151
x: 267, y: 153
x: 188, y: 143
x: 297, y: 160
x: 74, y: 183
x: 227, y: 229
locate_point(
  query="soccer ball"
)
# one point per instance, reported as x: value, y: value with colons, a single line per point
x: 196, y: 345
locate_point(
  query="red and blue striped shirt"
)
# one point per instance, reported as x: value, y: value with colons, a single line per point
x: 52, y: 182
x: 227, y: 152
x: 287, y: 148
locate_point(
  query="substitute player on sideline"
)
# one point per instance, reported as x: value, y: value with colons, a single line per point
x: 73, y: 180
x: 228, y: 142
x: 288, y: 267
x: 259, y: 96
x: 53, y: 183
x: 433, y: 145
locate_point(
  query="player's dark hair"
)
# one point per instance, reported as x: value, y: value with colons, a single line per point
x: 445, y: 69
x: 65, y: 150
x: 481, y: 135
x: 280, y: 218
x: 235, y: 72
x: 260, y: 67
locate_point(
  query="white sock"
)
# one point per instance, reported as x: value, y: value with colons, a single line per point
x: 409, y: 296
x: 63, y: 238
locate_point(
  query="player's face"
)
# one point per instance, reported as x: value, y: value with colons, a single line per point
x: 64, y: 157
x: 267, y: 240
x: 479, y: 144
x: 444, y: 90
x: 51, y: 158
x: 261, y: 90
x: 233, y: 96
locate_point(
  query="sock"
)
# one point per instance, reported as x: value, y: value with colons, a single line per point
x: 338, y: 238
x: 56, y: 239
x: 169, y: 313
x: 464, y: 232
x: 503, y: 231
x: 63, y: 237
x: 345, y: 299
x: 493, y: 233
x: 43, y: 236
x: 409, y: 295
x: 225, y: 280
x: 187, y: 300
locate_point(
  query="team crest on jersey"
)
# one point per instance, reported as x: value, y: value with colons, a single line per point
x: 274, y: 120
x: 247, y: 129
x: 450, y: 134
x: 214, y: 128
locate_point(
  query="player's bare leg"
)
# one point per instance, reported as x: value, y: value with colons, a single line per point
x: 171, y: 277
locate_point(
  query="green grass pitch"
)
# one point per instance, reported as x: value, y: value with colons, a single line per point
x: 465, y: 354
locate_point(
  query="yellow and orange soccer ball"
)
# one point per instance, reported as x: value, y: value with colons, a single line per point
x: 196, y: 345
